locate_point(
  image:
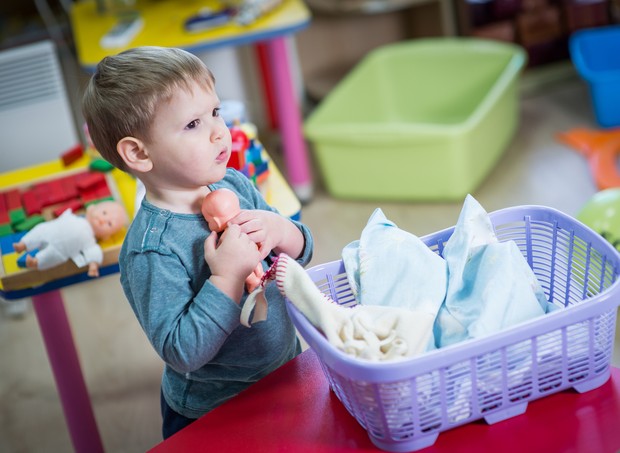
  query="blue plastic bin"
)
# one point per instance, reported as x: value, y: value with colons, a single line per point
x: 595, y: 52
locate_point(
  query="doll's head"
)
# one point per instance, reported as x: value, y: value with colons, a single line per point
x: 219, y: 207
x: 106, y: 218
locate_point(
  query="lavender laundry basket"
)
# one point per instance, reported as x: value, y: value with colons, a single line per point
x: 404, y: 405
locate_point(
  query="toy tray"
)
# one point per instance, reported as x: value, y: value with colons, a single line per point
x: 404, y: 405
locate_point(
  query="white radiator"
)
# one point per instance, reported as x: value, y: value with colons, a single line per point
x: 36, y: 121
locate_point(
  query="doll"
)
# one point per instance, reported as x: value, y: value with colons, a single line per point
x: 73, y: 237
x: 218, y: 208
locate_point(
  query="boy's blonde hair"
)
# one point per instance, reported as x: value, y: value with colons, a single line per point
x: 123, y: 95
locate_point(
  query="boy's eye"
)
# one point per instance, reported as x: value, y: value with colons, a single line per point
x: 216, y: 112
x: 192, y: 124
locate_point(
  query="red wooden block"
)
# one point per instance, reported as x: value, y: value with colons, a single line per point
x: 56, y: 193
x: 69, y: 187
x: 89, y: 181
x: 74, y: 205
x: 3, y: 207
x: 13, y: 199
x: 32, y: 204
x: 72, y: 155
x: 4, y: 218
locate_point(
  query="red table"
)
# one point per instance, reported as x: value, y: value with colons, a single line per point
x: 293, y: 410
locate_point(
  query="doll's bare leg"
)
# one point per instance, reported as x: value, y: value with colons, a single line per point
x: 32, y: 262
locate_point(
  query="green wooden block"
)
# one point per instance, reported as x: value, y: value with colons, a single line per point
x: 17, y: 216
x: 5, y: 230
x: 29, y: 223
x: 101, y: 165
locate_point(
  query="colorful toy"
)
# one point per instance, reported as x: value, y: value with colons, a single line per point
x: 73, y: 237
x: 600, y: 148
x: 602, y: 214
x: 218, y: 208
x: 247, y: 155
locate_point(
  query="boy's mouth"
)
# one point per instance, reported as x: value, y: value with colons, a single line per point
x: 223, y: 156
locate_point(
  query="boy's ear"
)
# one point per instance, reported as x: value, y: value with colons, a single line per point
x: 134, y: 153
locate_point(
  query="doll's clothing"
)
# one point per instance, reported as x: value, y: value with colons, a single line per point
x: 68, y: 237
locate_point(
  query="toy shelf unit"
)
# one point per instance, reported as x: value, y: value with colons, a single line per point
x: 542, y: 27
x: 425, y: 119
x: 26, y: 204
x: 405, y: 405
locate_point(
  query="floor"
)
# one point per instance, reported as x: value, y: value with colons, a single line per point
x: 122, y: 371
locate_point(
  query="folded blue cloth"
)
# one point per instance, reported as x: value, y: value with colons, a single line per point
x: 490, y: 285
x: 479, y: 287
x: 391, y: 267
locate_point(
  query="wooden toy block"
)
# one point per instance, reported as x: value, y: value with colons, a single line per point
x: 69, y: 186
x: 32, y: 204
x: 74, y: 205
x: 3, y: 207
x: 6, y: 229
x: 13, y: 199
x: 6, y: 242
x: 89, y: 181
x: 101, y: 165
x: 17, y: 216
x: 4, y: 218
x: 29, y: 223
x: 72, y: 155
x: 56, y: 193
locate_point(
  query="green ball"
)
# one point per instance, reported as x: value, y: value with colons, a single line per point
x: 602, y: 214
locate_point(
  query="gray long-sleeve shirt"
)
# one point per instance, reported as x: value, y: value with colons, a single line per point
x: 194, y: 327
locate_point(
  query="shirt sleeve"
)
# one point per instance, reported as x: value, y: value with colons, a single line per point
x: 186, y: 327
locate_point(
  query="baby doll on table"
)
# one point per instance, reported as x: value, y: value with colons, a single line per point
x: 73, y: 237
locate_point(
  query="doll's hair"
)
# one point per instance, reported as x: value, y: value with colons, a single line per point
x: 122, y: 96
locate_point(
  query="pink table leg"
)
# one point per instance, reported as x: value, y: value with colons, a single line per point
x: 63, y: 357
x: 289, y: 117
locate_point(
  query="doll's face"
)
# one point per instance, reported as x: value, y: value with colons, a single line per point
x: 106, y: 218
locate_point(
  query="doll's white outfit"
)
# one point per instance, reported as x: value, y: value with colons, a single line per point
x: 69, y: 237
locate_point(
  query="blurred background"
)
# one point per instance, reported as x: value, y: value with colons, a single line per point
x: 121, y: 370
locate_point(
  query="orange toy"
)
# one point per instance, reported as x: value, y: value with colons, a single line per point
x: 600, y: 148
x: 218, y: 208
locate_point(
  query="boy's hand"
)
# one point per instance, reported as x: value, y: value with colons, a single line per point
x: 231, y: 259
x: 267, y: 229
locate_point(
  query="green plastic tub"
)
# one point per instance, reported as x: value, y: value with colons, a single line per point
x: 418, y: 120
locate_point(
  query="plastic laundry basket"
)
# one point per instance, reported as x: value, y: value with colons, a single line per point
x: 404, y: 405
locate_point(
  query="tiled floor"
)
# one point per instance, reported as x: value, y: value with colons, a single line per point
x: 123, y: 373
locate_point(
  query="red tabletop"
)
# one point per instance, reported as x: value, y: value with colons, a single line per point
x: 293, y: 410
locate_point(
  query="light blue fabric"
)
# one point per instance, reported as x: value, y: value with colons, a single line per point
x: 479, y: 287
x: 391, y: 267
x: 490, y: 285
